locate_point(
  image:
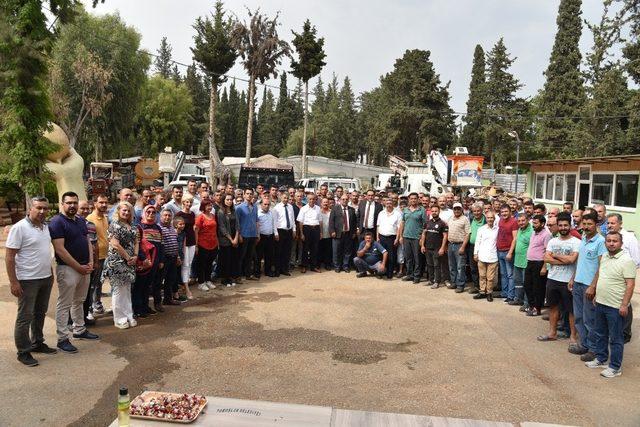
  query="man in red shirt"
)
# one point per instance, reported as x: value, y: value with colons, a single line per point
x: 507, y: 232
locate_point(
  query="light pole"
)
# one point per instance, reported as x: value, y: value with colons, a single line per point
x: 514, y: 134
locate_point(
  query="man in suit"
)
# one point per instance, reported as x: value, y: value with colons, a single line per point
x: 369, y: 210
x: 342, y: 226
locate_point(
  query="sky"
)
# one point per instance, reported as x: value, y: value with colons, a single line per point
x: 364, y: 38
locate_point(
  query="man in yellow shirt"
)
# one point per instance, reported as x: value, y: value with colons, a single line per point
x: 99, y: 218
x: 613, y: 291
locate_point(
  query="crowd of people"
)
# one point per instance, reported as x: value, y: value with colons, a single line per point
x: 153, y: 247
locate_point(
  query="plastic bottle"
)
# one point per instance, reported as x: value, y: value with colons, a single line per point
x: 123, y: 407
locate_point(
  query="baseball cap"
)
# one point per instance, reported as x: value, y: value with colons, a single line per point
x: 457, y: 205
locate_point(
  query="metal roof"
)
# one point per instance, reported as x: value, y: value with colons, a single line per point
x: 601, y: 159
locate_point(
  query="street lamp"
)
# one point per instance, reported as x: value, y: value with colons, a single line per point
x: 514, y: 134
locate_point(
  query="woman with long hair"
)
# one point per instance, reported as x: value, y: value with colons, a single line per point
x: 119, y: 266
x: 206, y: 232
x: 228, y: 239
x: 189, y: 219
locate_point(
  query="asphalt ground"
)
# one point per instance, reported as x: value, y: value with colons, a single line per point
x: 323, y: 339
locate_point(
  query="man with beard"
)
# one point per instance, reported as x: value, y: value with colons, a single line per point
x: 527, y: 207
x: 74, y: 258
x: 410, y: 232
x: 99, y: 218
x: 433, y: 244
x: 535, y: 274
x: 457, y: 238
x: 561, y: 255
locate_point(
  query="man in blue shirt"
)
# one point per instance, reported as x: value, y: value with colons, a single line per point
x: 371, y: 257
x: 583, y: 285
x: 247, y: 215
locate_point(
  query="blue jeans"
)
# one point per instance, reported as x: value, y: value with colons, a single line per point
x: 518, y: 281
x: 506, y: 275
x: 609, y: 326
x: 457, y: 265
x: 584, y: 313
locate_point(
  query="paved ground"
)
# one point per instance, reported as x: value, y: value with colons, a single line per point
x: 323, y: 339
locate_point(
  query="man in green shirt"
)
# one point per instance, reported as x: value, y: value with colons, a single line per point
x: 613, y: 291
x: 410, y: 231
x: 477, y: 221
x: 520, y: 259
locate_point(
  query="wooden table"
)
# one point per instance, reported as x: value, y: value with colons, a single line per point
x: 225, y: 412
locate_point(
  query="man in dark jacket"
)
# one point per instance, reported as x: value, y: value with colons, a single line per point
x: 342, y: 226
x: 368, y: 210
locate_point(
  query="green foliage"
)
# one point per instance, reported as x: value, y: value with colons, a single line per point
x: 164, y: 117
x: 310, y: 53
x: 266, y: 125
x: 563, y: 94
x: 476, y: 118
x: 199, y: 123
x: 163, y: 62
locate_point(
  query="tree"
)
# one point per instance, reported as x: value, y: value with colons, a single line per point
x: 309, y: 64
x: 266, y: 126
x: 163, y: 62
x: 164, y: 117
x: 261, y: 51
x: 475, y: 120
x: 563, y: 94
x: 288, y: 114
x: 631, y: 52
x: 79, y: 89
x: 200, y: 118
x: 506, y: 112
x: 215, y: 54
x: 25, y: 113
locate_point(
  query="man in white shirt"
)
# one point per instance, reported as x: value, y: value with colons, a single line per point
x: 267, y: 238
x: 631, y: 247
x: 388, y: 226
x: 485, y: 253
x: 28, y: 262
x: 309, y: 229
x: 285, y: 221
x: 445, y: 212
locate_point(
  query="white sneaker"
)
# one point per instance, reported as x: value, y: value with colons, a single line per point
x: 611, y: 373
x: 595, y: 363
x: 211, y: 285
x: 98, y: 308
x: 229, y: 285
x: 124, y: 325
x: 90, y: 316
x: 203, y: 287
x: 133, y: 323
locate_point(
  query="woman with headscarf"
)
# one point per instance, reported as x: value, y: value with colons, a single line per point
x: 206, y: 231
x: 147, y: 278
x: 228, y: 238
x: 120, y: 264
x: 189, y: 219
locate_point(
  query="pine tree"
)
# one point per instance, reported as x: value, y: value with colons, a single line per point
x: 215, y: 54
x: 308, y: 65
x: 348, y: 122
x: 563, y: 94
x: 505, y: 110
x: 319, y: 96
x: 266, y: 126
x: 163, y: 62
x: 200, y: 96
x: 476, y: 118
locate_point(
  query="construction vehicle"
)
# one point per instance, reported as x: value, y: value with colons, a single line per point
x: 100, y: 179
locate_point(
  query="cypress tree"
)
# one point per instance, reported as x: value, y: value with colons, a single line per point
x: 475, y: 120
x: 563, y: 94
x: 163, y: 62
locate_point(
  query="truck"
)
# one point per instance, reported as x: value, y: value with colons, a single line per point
x: 250, y: 176
x: 312, y: 184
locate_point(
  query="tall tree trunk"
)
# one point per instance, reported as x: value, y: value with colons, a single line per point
x: 214, y: 158
x: 304, y: 131
x: 252, y: 90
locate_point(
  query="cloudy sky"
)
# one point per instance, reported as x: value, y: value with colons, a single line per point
x: 364, y: 38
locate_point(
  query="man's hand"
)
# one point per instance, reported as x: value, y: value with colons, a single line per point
x: 590, y: 293
x: 333, y: 234
x: 543, y: 270
x: 239, y: 239
x: 441, y: 252
x: 570, y: 285
x: 132, y: 261
x: 396, y: 242
x: 277, y: 237
x: 401, y: 240
x: 461, y: 251
x: 302, y: 237
x: 423, y: 249
x: 161, y: 265
x: 475, y: 258
x: 178, y: 262
x: 382, y: 268
x: 624, y: 310
x: 509, y: 256
x: 16, y: 289
x: 196, y: 249
x: 86, y: 269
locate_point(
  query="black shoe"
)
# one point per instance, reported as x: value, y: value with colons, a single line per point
x: 158, y: 308
x: 459, y: 290
x: 285, y: 273
x: 89, y: 322
x: 347, y: 270
x: 361, y: 274
x: 151, y: 311
x: 474, y: 290
x: 27, y: 360
x: 407, y: 278
x: 588, y: 356
x: 416, y: 280
x: 67, y: 347
x: 86, y: 335
x: 337, y: 270
x: 479, y: 296
x: 44, y: 349
x: 489, y: 297
x: 516, y: 302
x: 142, y: 315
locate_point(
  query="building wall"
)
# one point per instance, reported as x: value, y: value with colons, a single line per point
x: 631, y: 219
